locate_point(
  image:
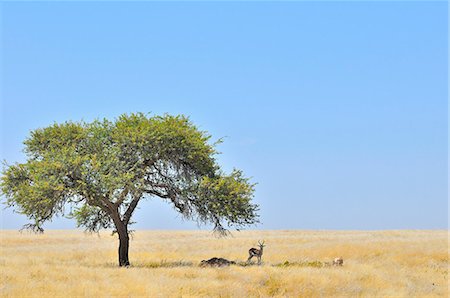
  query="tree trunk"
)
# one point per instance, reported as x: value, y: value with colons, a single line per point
x: 123, y: 250
x: 124, y: 242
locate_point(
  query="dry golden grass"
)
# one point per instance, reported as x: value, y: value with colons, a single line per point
x: 165, y: 263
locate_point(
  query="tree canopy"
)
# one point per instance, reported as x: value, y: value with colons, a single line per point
x: 101, y: 170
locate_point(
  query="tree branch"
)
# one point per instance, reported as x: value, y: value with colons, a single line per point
x: 157, y: 193
x: 172, y: 195
x: 121, y: 198
x: 100, y: 203
x: 161, y: 174
x: 131, y: 207
x: 107, y: 203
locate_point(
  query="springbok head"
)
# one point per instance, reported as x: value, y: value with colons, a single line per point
x: 261, y: 244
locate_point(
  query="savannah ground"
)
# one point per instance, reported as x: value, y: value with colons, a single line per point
x: 165, y: 263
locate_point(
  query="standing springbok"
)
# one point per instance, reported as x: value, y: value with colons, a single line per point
x: 254, y: 252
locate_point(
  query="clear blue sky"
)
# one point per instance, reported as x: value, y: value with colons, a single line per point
x: 337, y: 109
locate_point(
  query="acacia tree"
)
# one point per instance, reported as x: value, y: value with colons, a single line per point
x: 102, y: 170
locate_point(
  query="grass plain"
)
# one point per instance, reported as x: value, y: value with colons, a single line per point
x: 165, y: 264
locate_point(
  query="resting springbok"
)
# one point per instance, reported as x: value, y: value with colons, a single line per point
x: 338, y: 262
x: 254, y: 252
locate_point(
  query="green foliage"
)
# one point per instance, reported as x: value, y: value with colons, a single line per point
x: 105, y: 168
x: 228, y: 198
x: 91, y: 217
